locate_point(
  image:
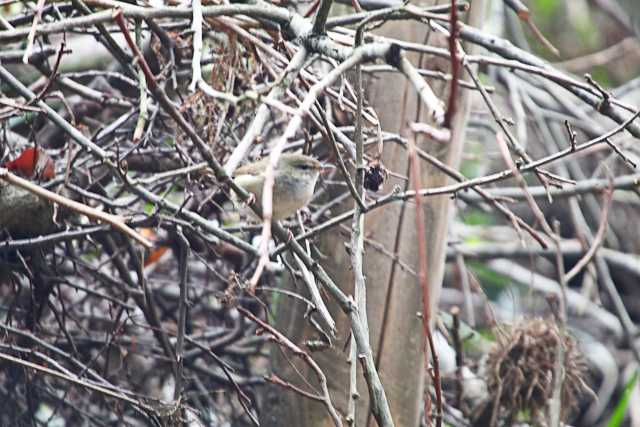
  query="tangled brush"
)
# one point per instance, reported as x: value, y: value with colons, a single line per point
x: 520, y: 371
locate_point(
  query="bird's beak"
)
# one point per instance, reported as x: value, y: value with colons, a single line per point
x: 325, y: 167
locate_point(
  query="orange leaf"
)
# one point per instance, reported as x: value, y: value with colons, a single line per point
x: 155, y: 255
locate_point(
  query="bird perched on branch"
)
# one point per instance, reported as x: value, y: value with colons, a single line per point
x: 295, y: 178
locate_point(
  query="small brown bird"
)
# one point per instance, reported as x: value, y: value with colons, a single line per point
x: 294, y: 181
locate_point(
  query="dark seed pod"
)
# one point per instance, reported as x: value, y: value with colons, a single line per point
x: 374, y: 176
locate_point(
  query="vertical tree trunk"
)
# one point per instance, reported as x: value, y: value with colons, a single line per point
x: 393, y: 293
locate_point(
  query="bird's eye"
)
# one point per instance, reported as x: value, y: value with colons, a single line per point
x: 304, y: 167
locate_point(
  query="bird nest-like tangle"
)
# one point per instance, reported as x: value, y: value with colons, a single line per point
x: 521, y: 370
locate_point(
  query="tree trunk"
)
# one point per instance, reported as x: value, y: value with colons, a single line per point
x: 394, y: 296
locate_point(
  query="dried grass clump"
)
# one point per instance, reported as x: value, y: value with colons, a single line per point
x: 520, y: 371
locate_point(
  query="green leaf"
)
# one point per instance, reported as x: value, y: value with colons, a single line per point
x: 477, y: 217
x: 621, y: 408
x: 547, y: 7
x: 602, y: 76
x: 492, y: 283
x: 149, y: 208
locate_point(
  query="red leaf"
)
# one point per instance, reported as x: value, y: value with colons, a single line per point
x: 33, y: 163
x: 25, y: 164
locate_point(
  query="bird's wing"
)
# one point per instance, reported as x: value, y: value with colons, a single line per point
x: 255, y: 168
x: 251, y: 183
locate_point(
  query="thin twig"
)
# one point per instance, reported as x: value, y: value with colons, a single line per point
x: 297, y: 351
x: 555, y: 403
x: 182, y: 311
x: 423, y: 278
x: 597, y: 240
